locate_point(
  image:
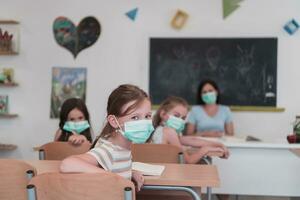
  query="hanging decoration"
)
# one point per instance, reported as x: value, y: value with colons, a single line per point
x: 132, y: 14
x: 73, y: 38
x: 229, y: 6
x: 291, y: 26
x: 179, y: 19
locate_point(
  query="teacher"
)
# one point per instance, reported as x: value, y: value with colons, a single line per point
x: 209, y: 118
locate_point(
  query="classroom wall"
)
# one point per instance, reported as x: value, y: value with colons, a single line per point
x: 121, y: 56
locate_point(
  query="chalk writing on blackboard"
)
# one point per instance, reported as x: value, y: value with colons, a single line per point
x: 244, y: 68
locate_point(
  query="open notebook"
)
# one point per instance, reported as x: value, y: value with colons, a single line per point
x: 148, y: 169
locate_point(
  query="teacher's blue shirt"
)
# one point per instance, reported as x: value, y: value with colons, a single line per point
x: 204, y: 122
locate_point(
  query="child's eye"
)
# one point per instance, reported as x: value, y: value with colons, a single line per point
x: 72, y: 119
x: 148, y: 116
x: 135, y: 118
x: 81, y: 118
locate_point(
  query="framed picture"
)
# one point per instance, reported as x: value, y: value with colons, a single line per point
x: 9, y: 37
x: 66, y: 83
x: 3, y: 104
x: 7, y: 76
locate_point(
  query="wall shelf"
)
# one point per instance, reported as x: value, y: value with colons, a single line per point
x: 8, y: 84
x: 9, y: 22
x: 7, y: 115
x: 8, y: 53
x: 7, y: 147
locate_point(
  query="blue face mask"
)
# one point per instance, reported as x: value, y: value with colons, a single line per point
x: 137, y: 131
x: 76, y: 127
x: 209, y: 97
x: 175, y: 123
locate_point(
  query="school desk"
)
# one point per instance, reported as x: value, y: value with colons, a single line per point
x: 176, y: 177
x: 208, y: 160
x: 182, y: 177
x: 259, y: 168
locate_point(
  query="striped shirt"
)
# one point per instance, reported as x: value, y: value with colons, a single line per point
x: 112, y: 158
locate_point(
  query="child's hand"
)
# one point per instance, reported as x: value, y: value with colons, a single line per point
x: 77, y: 139
x: 218, y: 150
x: 138, y: 180
x: 225, y: 149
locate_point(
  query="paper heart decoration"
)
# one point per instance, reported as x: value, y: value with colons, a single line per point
x: 73, y: 38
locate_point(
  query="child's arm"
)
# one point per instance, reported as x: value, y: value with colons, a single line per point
x: 195, y: 141
x: 196, y: 156
x: 198, y: 143
x: 172, y: 138
x: 57, y: 135
x: 81, y: 163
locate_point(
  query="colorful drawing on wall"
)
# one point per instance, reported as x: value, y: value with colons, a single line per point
x: 291, y: 26
x: 73, y: 38
x: 179, y: 19
x: 132, y: 14
x: 229, y: 6
x: 3, y: 104
x: 66, y: 83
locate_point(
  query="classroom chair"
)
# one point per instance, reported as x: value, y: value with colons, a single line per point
x: 14, y: 176
x: 61, y: 150
x: 156, y: 153
x: 80, y: 186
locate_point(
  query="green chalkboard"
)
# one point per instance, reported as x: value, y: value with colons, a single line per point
x: 245, y: 69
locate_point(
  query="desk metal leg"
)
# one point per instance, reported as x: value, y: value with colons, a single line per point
x: 208, y: 193
x: 29, y: 174
x: 31, y: 193
x: 173, y: 188
x: 41, y: 154
x: 127, y: 193
x: 208, y: 161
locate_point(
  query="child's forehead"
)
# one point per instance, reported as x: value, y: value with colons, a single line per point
x: 75, y: 111
x: 179, y: 108
x: 143, y: 105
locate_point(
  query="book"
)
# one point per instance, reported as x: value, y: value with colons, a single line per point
x: 3, y: 104
x: 148, y: 169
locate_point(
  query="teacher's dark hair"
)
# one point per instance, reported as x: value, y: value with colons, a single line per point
x: 200, y: 87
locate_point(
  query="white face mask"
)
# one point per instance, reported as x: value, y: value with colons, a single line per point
x: 136, y: 131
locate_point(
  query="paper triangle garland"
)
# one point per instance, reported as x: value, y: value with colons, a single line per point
x: 229, y: 6
x: 132, y: 14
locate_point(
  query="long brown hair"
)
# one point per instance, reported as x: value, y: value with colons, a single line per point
x: 117, y: 99
x: 168, y: 104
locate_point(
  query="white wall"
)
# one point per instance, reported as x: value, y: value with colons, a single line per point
x: 121, y: 56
